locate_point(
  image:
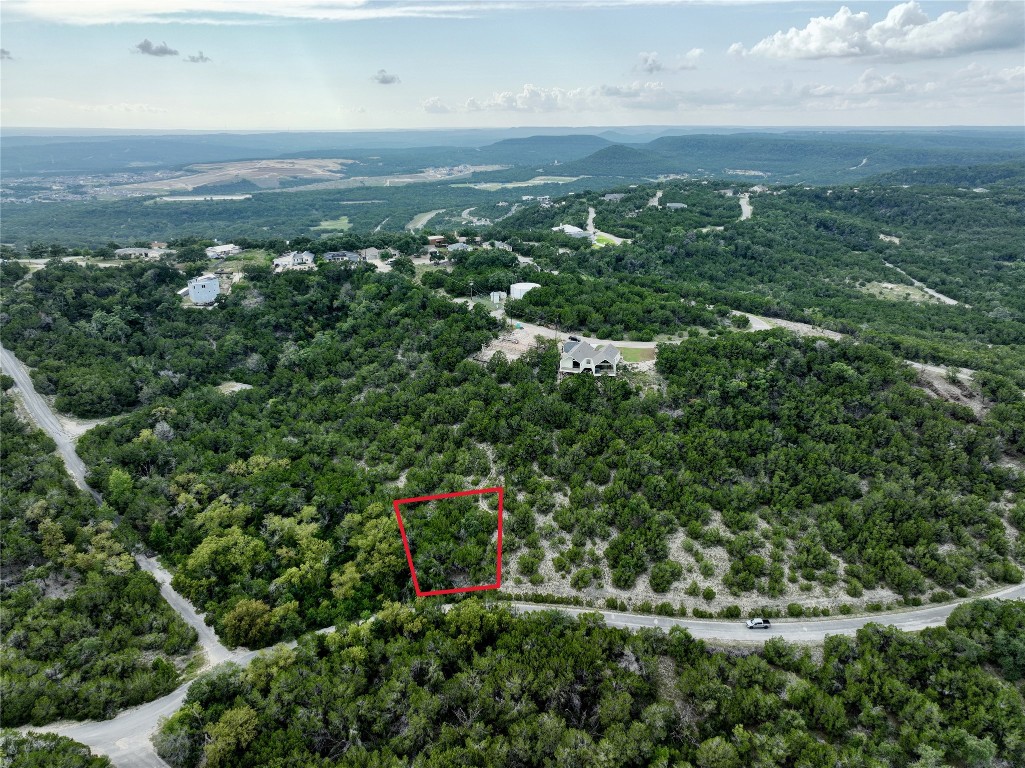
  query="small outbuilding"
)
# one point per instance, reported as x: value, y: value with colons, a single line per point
x: 499, y: 296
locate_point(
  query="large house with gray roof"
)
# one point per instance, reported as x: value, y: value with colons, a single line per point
x: 579, y: 356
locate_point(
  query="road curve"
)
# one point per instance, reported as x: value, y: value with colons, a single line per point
x: 215, y: 651
x: 42, y: 414
x: 126, y: 738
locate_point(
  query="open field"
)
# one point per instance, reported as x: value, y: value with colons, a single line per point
x: 341, y: 224
x: 420, y: 220
x: 263, y: 173
x: 494, y: 186
x: 897, y: 292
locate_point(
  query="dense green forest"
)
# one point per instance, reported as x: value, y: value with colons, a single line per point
x: 479, y: 687
x: 46, y: 750
x: 85, y: 633
x: 814, y: 466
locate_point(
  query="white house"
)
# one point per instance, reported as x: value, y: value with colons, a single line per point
x: 579, y: 356
x: 204, y: 289
x: 294, y: 260
x: 571, y: 230
x: 370, y: 253
x: 350, y: 256
x: 222, y: 251
x: 499, y: 296
x: 459, y: 247
x: 519, y: 290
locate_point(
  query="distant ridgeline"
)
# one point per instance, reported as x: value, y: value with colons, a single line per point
x: 84, y: 180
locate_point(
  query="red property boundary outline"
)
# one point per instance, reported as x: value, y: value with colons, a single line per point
x: 409, y: 555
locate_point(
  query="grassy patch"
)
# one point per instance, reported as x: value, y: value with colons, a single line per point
x: 634, y: 355
x: 337, y: 225
x: 896, y: 292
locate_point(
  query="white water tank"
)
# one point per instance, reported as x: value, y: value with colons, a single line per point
x: 519, y: 290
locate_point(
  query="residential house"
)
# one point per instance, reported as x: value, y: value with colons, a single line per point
x: 579, y: 356
x: 350, y: 256
x: 370, y: 253
x: 675, y: 206
x: 499, y: 296
x: 458, y: 247
x: 614, y: 197
x: 294, y: 261
x: 204, y: 289
x: 571, y: 230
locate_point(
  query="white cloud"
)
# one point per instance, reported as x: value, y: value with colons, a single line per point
x: 650, y: 62
x: 435, y: 105
x: 690, y: 59
x: 5, y: 54
x: 905, y: 32
x: 91, y: 12
x: 533, y: 98
x: 121, y: 107
x: 198, y: 59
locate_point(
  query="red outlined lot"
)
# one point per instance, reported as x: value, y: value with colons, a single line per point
x: 409, y: 555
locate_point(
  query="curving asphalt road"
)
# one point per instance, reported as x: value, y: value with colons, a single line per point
x: 42, y: 414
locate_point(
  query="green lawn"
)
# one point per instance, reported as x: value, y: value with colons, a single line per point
x: 633, y: 355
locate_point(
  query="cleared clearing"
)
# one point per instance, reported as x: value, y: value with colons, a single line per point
x: 266, y: 174
x: 494, y: 186
x: 898, y: 292
x: 337, y: 225
x: 420, y: 220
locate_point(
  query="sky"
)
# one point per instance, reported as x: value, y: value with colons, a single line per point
x: 401, y: 64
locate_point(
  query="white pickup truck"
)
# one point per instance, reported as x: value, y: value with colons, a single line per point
x: 758, y: 624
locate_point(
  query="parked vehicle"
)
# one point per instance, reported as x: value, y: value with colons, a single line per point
x: 758, y: 624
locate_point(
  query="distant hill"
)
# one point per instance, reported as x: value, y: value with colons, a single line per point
x: 956, y: 175
x: 543, y: 149
x: 816, y: 157
x: 618, y: 160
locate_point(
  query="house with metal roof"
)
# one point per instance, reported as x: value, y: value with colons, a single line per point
x: 579, y: 356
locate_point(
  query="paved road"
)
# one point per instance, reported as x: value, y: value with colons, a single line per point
x: 215, y: 651
x: 126, y: 738
x: 809, y: 631
x: 745, y: 207
x: 42, y: 414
